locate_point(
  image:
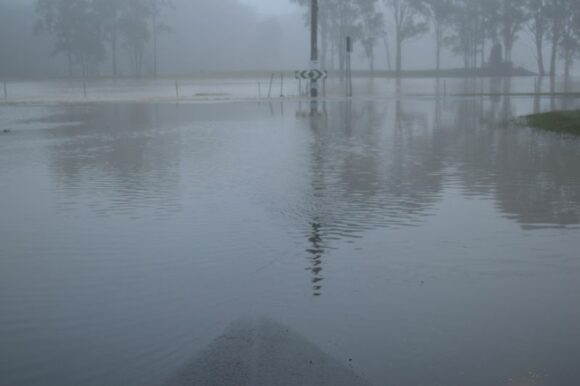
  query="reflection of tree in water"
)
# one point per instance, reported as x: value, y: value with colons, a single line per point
x: 119, y: 156
x: 376, y: 165
x: 531, y: 174
x: 369, y: 170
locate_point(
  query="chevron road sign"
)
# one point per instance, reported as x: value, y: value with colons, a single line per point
x: 311, y: 74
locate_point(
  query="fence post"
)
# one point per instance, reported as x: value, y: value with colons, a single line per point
x: 271, y: 81
x: 281, y: 85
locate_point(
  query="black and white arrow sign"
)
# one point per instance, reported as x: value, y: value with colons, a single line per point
x: 311, y: 74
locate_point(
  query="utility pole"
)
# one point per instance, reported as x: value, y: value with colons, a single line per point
x: 314, y: 46
x: 348, y: 66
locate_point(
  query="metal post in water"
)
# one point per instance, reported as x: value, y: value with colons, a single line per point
x: 5, y: 90
x: 84, y: 88
x: 271, y: 81
x: 281, y: 85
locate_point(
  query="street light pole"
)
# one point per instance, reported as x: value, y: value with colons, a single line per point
x: 314, y: 65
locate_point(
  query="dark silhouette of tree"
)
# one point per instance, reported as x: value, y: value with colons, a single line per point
x: 537, y: 26
x: 409, y: 22
x: 439, y: 13
x: 513, y: 18
x: 135, y: 32
x: 157, y: 9
x: 76, y: 28
x: 372, y: 28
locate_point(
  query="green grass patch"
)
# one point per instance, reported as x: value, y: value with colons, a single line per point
x: 558, y: 121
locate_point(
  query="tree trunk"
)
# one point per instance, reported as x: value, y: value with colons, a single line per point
x: 555, y: 41
x: 540, y: 54
x: 114, y: 53
x: 70, y: 64
x: 388, y: 52
x: 155, y: 33
x: 324, y: 46
x: 438, y: 49
x: 567, y: 61
x: 399, y: 55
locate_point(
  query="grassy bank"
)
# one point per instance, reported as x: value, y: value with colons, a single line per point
x: 558, y: 121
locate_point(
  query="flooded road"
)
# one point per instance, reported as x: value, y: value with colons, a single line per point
x: 418, y: 241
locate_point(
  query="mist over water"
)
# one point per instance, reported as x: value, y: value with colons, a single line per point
x: 423, y: 239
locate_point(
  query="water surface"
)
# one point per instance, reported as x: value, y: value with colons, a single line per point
x: 416, y: 240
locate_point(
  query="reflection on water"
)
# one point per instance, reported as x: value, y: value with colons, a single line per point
x: 434, y: 236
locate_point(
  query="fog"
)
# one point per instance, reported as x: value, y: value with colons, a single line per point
x: 242, y: 35
x: 179, y: 207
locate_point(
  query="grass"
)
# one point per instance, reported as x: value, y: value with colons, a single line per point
x: 558, y: 121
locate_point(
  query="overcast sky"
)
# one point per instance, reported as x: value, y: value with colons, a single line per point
x: 272, y: 7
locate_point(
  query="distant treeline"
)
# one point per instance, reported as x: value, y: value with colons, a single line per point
x: 147, y: 37
x: 135, y: 37
x: 482, y: 32
x: 82, y: 30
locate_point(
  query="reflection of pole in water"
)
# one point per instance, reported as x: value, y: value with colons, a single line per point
x: 316, y: 251
x: 314, y: 108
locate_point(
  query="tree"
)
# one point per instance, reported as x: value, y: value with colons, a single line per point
x: 439, y: 13
x: 156, y: 9
x: 76, y: 28
x: 569, y: 45
x: 135, y: 32
x: 465, y: 21
x: 513, y: 18
x: 537, y: 26
x: 110, y: 12
x: 409, y: 22
x: 556, y: 13
x: 372, y: 28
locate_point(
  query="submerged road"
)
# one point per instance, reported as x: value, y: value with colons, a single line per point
x: 264, y: 353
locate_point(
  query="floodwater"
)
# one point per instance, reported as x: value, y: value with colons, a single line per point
x: 417, y: 240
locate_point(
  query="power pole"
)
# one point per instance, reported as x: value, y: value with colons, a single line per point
x: 314, y: 46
